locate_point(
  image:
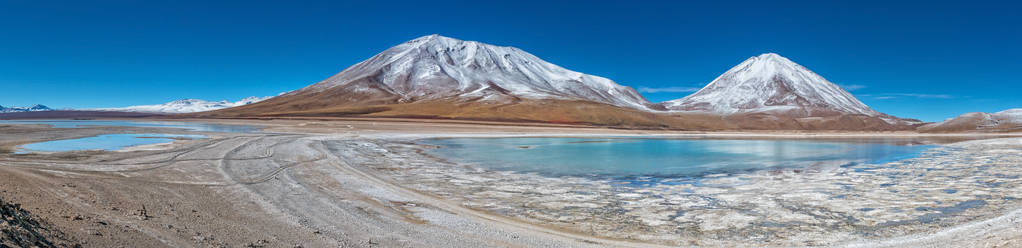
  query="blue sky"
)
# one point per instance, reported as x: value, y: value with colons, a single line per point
x: 926, y: 60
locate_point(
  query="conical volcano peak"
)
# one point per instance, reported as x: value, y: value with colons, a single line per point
x: 440, y: 41
x: 767, y: 58
x: 770, y: 64
x: 774, y: 60
x: 771, y: 83
x: 771, y: 56
x: 437, y: 39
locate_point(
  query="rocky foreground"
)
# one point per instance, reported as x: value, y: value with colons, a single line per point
x: 20, y: 228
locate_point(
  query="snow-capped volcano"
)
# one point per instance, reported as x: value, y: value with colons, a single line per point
x: 187, y: 106
x: 436, y: 67
x: 771, y: 83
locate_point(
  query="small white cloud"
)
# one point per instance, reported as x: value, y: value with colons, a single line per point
x: 911, y: 95
x: 644, y: 89
x: 852, y: 87
x: 940, y: 96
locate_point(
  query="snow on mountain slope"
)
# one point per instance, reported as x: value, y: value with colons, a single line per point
x: 771, y: 83
x: 1007, y: 120
x: 33, y: 108
x: 187, y: 106
x: 437, y: 67
x: 1012, y: 115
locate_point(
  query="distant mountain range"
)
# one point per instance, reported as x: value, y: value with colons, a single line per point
x: 173, y: 107
x: 186, y: 106
x: 1005, y: 121
x: 33, y: 108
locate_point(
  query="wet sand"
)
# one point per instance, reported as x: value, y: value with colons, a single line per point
x: 365, y: 183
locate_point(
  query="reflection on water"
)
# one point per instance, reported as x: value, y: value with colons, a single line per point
x: 104, y: 142
x: 630, y: 157
x: 192, y: 126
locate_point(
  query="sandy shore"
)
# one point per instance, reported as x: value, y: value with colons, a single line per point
x: 362, y: 183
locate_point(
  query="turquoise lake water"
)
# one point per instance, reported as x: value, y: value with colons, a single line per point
x: 120, y: 141
x: 105, y: 142
x: 652, y: 157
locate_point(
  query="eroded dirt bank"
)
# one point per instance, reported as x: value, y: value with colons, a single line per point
x: 363, y: 184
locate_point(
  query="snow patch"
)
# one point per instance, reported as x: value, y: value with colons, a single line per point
x: 1012, y: 115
